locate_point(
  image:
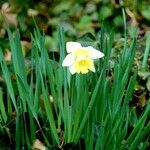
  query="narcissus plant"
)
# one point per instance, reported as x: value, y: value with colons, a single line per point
x: 80, y: 59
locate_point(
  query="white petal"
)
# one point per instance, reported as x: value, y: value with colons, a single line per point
x: 69, y: 60
x: 71, y: 46
x: 94, y: 53
x: 93, y: 69
x: 72, y: 69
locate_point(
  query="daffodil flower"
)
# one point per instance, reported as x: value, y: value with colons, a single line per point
x: 80, y: 59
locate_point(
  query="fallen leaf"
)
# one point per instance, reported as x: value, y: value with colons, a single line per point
x: 7, y: 56
x: 26, y: 46
x: 142, y: 100
x: 38, y: 145
x: 32, y: 12
x: 11, y: 17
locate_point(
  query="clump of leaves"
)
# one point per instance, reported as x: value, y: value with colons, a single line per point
x: 81, y: 111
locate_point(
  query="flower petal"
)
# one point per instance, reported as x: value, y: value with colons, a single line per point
x: 71, y: 46
x: 92, y: 69
x: 72, y: 69
x: 69, y: 60
x: 94, y: 53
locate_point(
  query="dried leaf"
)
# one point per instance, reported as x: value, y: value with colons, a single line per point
x: 142, y: 100
x: 26, y: 46
x: 11, y: 17
x: 8, y: 55
x: 32, y: 12
x: 38, y: 145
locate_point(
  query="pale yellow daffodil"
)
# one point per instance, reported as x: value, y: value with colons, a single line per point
x: 80, y: 59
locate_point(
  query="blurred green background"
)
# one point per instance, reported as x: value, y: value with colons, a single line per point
x: 76, y: 16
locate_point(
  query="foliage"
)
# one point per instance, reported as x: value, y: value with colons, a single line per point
x: 43, y: 106
x: 80, y: 111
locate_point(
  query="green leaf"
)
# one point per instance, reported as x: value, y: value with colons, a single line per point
x: 2, y: 107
